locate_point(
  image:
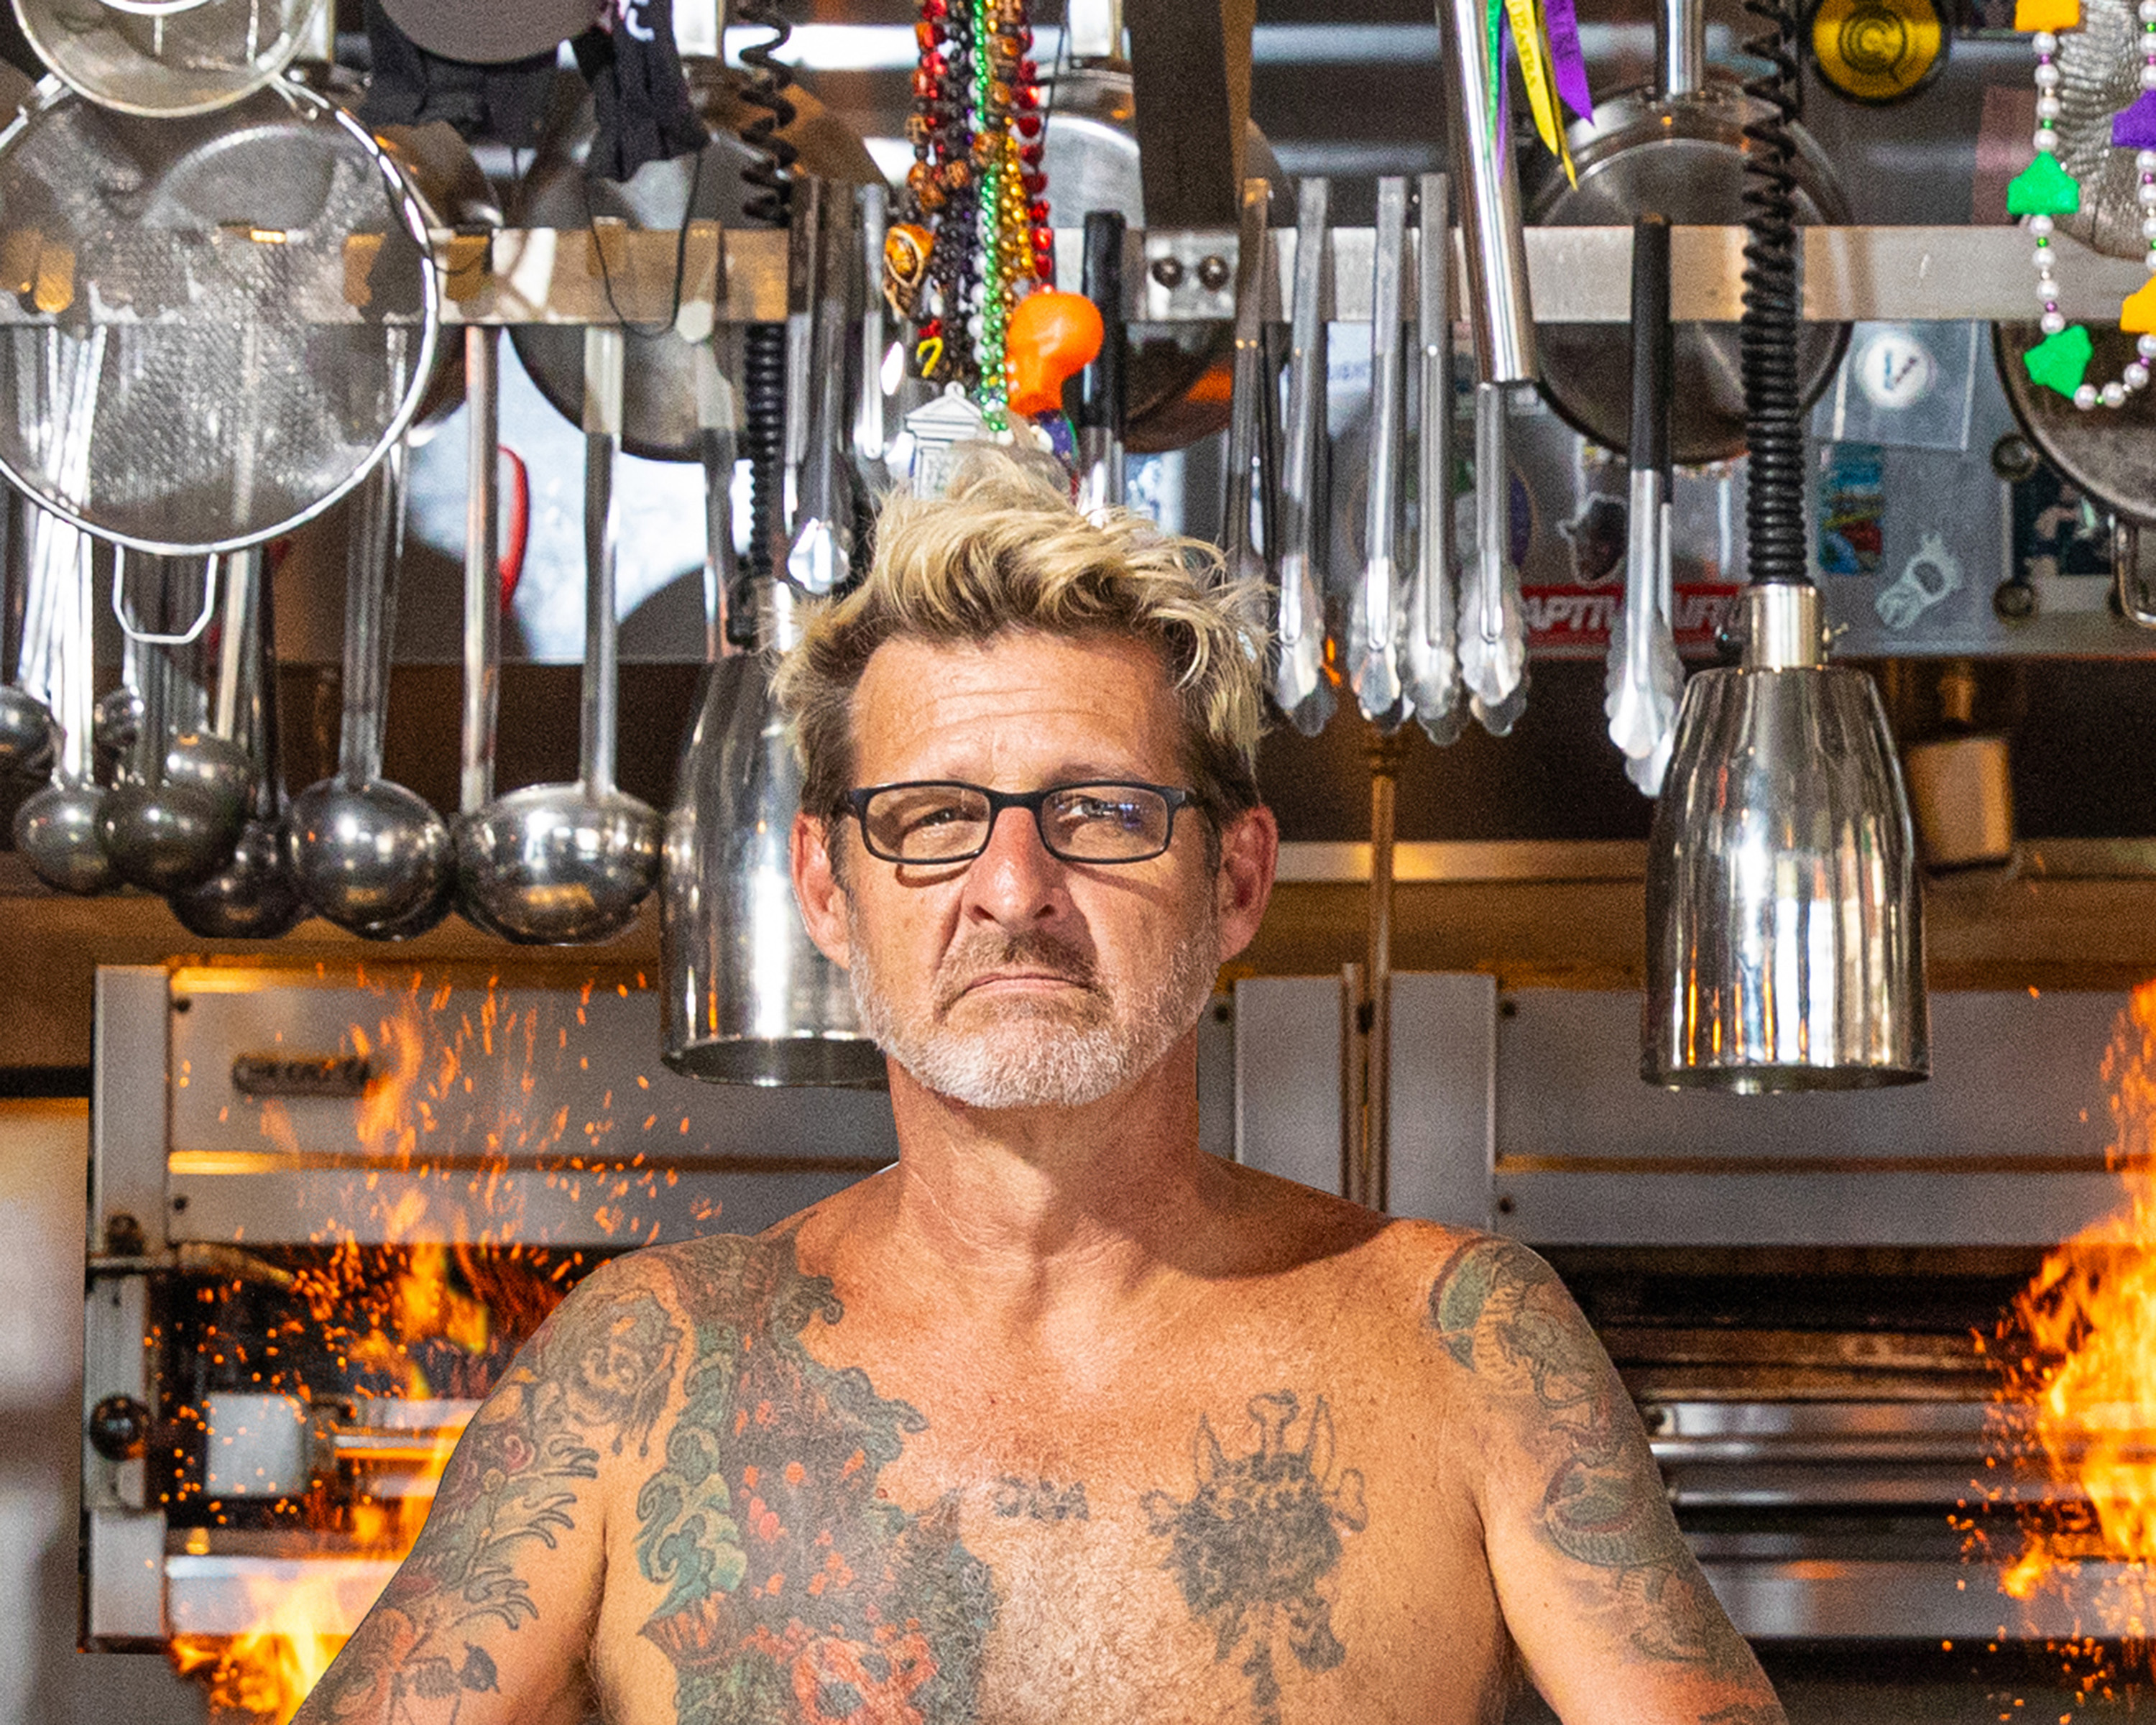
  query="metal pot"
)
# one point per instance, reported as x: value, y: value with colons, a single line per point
x: 1676, y: 148
x: 661, y: 423
x: 1177, y: 376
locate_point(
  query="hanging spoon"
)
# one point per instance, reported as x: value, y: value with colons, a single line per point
x: 562, y: 865
x: 369, y: 855
x: 26, y: 720
x: 165, y: 834
x: 56, y: 828
x: 1301, y: 689
x: 254, y: 896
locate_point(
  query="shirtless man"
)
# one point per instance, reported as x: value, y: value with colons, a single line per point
x: 1060, y: 1420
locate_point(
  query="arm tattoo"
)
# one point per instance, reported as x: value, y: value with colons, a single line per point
x: 1502, y: 1313
x: 795, y: 1591
x: 1254, y: 1545
x: 595, y: 1375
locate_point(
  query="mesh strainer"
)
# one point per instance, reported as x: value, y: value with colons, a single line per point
x: 211, y: 328
x: 167, y: 57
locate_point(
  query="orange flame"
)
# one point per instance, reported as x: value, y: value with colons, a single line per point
x: 2077, y: 1351
x: 424, y: 1319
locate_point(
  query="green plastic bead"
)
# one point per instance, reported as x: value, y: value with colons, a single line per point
x: 2043, y: 188
x: 2060, y: 362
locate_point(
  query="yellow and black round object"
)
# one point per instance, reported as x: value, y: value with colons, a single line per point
x: 1878, y: 51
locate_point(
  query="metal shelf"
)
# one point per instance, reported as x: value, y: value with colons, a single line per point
x: 1576, y: 275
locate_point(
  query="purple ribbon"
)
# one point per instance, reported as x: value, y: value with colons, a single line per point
x: 1563, y: 23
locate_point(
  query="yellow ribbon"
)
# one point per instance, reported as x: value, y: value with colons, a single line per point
x: 1539, y: 71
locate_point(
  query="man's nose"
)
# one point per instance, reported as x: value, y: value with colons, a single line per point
x: 1015, y: 880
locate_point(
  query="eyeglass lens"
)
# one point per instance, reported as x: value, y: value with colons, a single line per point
x: 945, y: 823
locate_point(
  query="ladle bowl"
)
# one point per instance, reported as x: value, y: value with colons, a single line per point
x: 551, y: 865
x: 253, y: 897
x: 56, y: 830
x: 215, y: 765
x: 373, y: 857
x: 166, y: 837
x: 26, y: 732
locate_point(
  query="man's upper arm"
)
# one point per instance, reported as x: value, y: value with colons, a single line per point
x: 1601, y: 1594
x: 489, y: 1618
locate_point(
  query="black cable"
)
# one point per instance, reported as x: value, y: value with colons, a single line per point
x: 1773, y: 391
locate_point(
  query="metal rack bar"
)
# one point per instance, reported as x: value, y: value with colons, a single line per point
x: 578, y: 276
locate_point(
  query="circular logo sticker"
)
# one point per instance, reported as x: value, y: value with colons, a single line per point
x: 1895, y: 370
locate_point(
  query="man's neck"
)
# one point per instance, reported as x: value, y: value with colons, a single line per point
x: 1027, y: 1211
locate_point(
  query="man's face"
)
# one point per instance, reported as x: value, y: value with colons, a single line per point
x: 1018, y: 980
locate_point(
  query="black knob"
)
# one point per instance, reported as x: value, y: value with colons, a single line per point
x: 120, y: 1428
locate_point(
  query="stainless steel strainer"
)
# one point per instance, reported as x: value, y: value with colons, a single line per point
x: 212, y: 327
x: 167, y: 57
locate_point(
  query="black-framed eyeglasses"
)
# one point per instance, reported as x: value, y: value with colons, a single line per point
x: 948, y: 821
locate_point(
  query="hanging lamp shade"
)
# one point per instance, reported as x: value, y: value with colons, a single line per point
x: 749, y: 999
x: 1785, y: 942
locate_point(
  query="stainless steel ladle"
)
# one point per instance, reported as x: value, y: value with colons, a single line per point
x: 254, y: 896
x: 56, y: 827
x: 26, y: 722
x: 369, y: 855
x: 164, y: 834
x: 560, y: 865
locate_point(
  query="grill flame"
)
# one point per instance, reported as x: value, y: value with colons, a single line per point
x: 2077, y: 1355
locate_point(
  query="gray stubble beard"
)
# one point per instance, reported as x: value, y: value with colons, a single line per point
x: 1039, y: 1053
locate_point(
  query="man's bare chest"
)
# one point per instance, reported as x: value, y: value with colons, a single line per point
x: 886, y: 1537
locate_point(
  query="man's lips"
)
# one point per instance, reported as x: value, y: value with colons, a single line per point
x: 1023, y: 980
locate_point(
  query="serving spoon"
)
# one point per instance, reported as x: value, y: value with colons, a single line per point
x: 254, y: 896
x: 56, y: 827
x: 561, y: 864
x: 369, y: 855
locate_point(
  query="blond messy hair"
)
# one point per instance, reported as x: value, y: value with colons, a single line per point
x: 1003, y: 552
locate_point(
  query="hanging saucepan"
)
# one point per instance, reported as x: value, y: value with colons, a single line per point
x: 167, y: 58
x: 1177, y: 378
x: 1676, y: 149
x: 661, y: 422
x: 258, y: 293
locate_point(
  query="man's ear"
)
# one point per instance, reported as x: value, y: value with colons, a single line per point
x: 817, y: 888
x: 1250, y: 853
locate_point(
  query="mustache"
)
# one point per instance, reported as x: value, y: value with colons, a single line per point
x: 968, y: 963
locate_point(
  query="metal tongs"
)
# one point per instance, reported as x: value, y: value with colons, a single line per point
x: 1377, y: 621
x: 1250, y: 531
x: 1493, y: 650
x: 1646, y: 678
x: 1433, y: 638
x: 1301, y: 689
x: 819, y: 292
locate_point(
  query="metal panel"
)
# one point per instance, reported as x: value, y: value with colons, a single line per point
x: 1886, y: 1599
x: 2003, y: 1146
x: 127, y: 1108
x: 1288, y: 1077
x: 451, y: 1105
x: 1287, y: 1089
x: 123, y: 1539
x: 1445, y: 1080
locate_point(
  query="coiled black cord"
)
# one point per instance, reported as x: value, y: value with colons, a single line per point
x: 762, y: 444
x: 763, y: 345
x: 765, y: 87
x: 1773, y: 392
